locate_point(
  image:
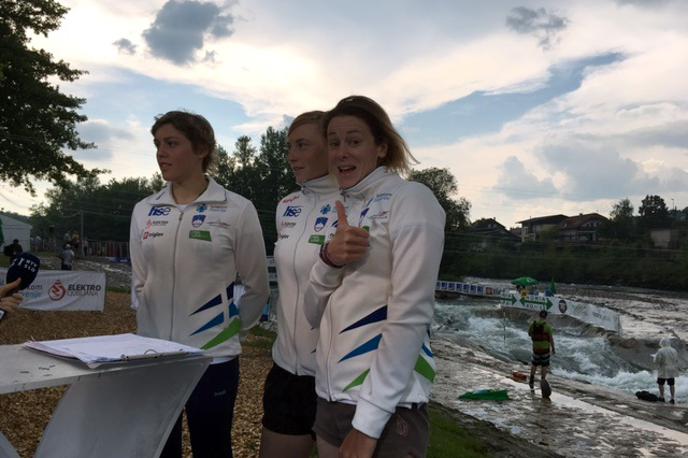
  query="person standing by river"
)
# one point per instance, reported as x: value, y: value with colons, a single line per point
x: 542, y: 334
x: 666, y: 361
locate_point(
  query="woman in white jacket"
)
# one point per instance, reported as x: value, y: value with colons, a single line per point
x: 188, y: 244
x: 289, y: 399
x: 372, y: 292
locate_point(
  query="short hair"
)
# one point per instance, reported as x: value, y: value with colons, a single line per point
x: 398, y: 157
x: 543, y: 313
x: 309, y: 117
x: 196, y: 129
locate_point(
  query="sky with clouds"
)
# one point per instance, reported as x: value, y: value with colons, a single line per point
x: 536, y: 107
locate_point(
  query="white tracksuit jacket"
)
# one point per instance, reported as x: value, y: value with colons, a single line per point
x: 374, y: 315
x: 184, y: 265
x: 301, y: 218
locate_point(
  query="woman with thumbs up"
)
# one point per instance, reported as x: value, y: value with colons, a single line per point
x: 372, y: 292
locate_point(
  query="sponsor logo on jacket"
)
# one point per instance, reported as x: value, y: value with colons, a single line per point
x: 292, y: 211
x: 290, y: 199
x: 382, y: 196
x: 320, y: 223
x: 160, y: 211
x: 200, y: 208
x: 382, y: 214
x: 151, y: 235
x: 326, y: 209
x: 219, y: 223
x: 197, y: 220
x: 217, y: 208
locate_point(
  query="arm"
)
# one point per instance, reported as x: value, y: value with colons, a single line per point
x: 138, y: 265
x: 249, y: 250
x: 324, y: 280
x: 417, y: 235
x: 348, y: 245
x: 551, y: 343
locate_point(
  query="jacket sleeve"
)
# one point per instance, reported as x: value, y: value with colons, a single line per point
x: 416, y: 231
x: 138, y: 265
x: 251, y: 265
x: 323, y: 281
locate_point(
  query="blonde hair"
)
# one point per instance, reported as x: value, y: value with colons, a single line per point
x: 398, y: 157
x: 309, y: 117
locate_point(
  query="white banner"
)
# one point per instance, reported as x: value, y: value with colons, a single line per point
x: 588, y: 313
x: 66, y: 290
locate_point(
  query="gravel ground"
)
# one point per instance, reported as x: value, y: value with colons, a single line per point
x: 25, y: 415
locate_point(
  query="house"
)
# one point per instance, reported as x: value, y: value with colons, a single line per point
x: 14, y: 229
x: 581, y: 228
x: 488, y: 230
x: 532, y: 229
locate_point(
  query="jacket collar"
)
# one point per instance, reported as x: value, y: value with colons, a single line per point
x: 213, y: 193
x: 360, y: 189
x: 322, y: 185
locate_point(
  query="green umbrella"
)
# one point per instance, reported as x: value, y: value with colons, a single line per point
x: 524, y: 281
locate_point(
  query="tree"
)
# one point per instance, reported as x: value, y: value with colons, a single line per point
x: 653, y: 212
x: 36, y: 120
x: 443, y: 184
x: 105, y: 208
x: 622, y: 210
x: 621, y: 224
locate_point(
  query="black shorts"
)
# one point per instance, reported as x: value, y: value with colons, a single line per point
x: 669, y: 381
x: 289, y: 402
x: 540, y: 359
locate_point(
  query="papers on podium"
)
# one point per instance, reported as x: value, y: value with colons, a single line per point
x: 113, y: 349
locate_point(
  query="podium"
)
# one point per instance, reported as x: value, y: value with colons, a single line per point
x: 123, y: 410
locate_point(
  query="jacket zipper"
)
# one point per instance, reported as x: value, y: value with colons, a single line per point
x: 298, y: 289
x: 174, y: 270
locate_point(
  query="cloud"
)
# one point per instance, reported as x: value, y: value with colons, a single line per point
x: 517, y: 182
x: 125, y: 46
x: 647, y: 3
x: 180, y: 28
x: 545, y: 26
x: 593, y: 172
x: 103, y: 135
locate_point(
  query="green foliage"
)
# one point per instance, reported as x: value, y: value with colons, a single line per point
x: 443, y: 184
x: 629, y: 264
x: 653, y: 212
x: 261, y: 175
x: 37, y: 121
x: 621, y: 224
x: 106, y: 207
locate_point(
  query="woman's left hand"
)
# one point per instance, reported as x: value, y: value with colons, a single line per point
x: 357, y: 445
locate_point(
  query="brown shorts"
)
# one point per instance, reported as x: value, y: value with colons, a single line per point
x: 405, y: 435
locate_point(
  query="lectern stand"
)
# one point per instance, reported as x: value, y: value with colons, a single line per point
x: 124, y: 410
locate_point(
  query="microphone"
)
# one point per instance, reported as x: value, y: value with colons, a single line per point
x: 25, y: 266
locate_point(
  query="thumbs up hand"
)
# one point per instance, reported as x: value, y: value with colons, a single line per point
x: 349, y: 244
